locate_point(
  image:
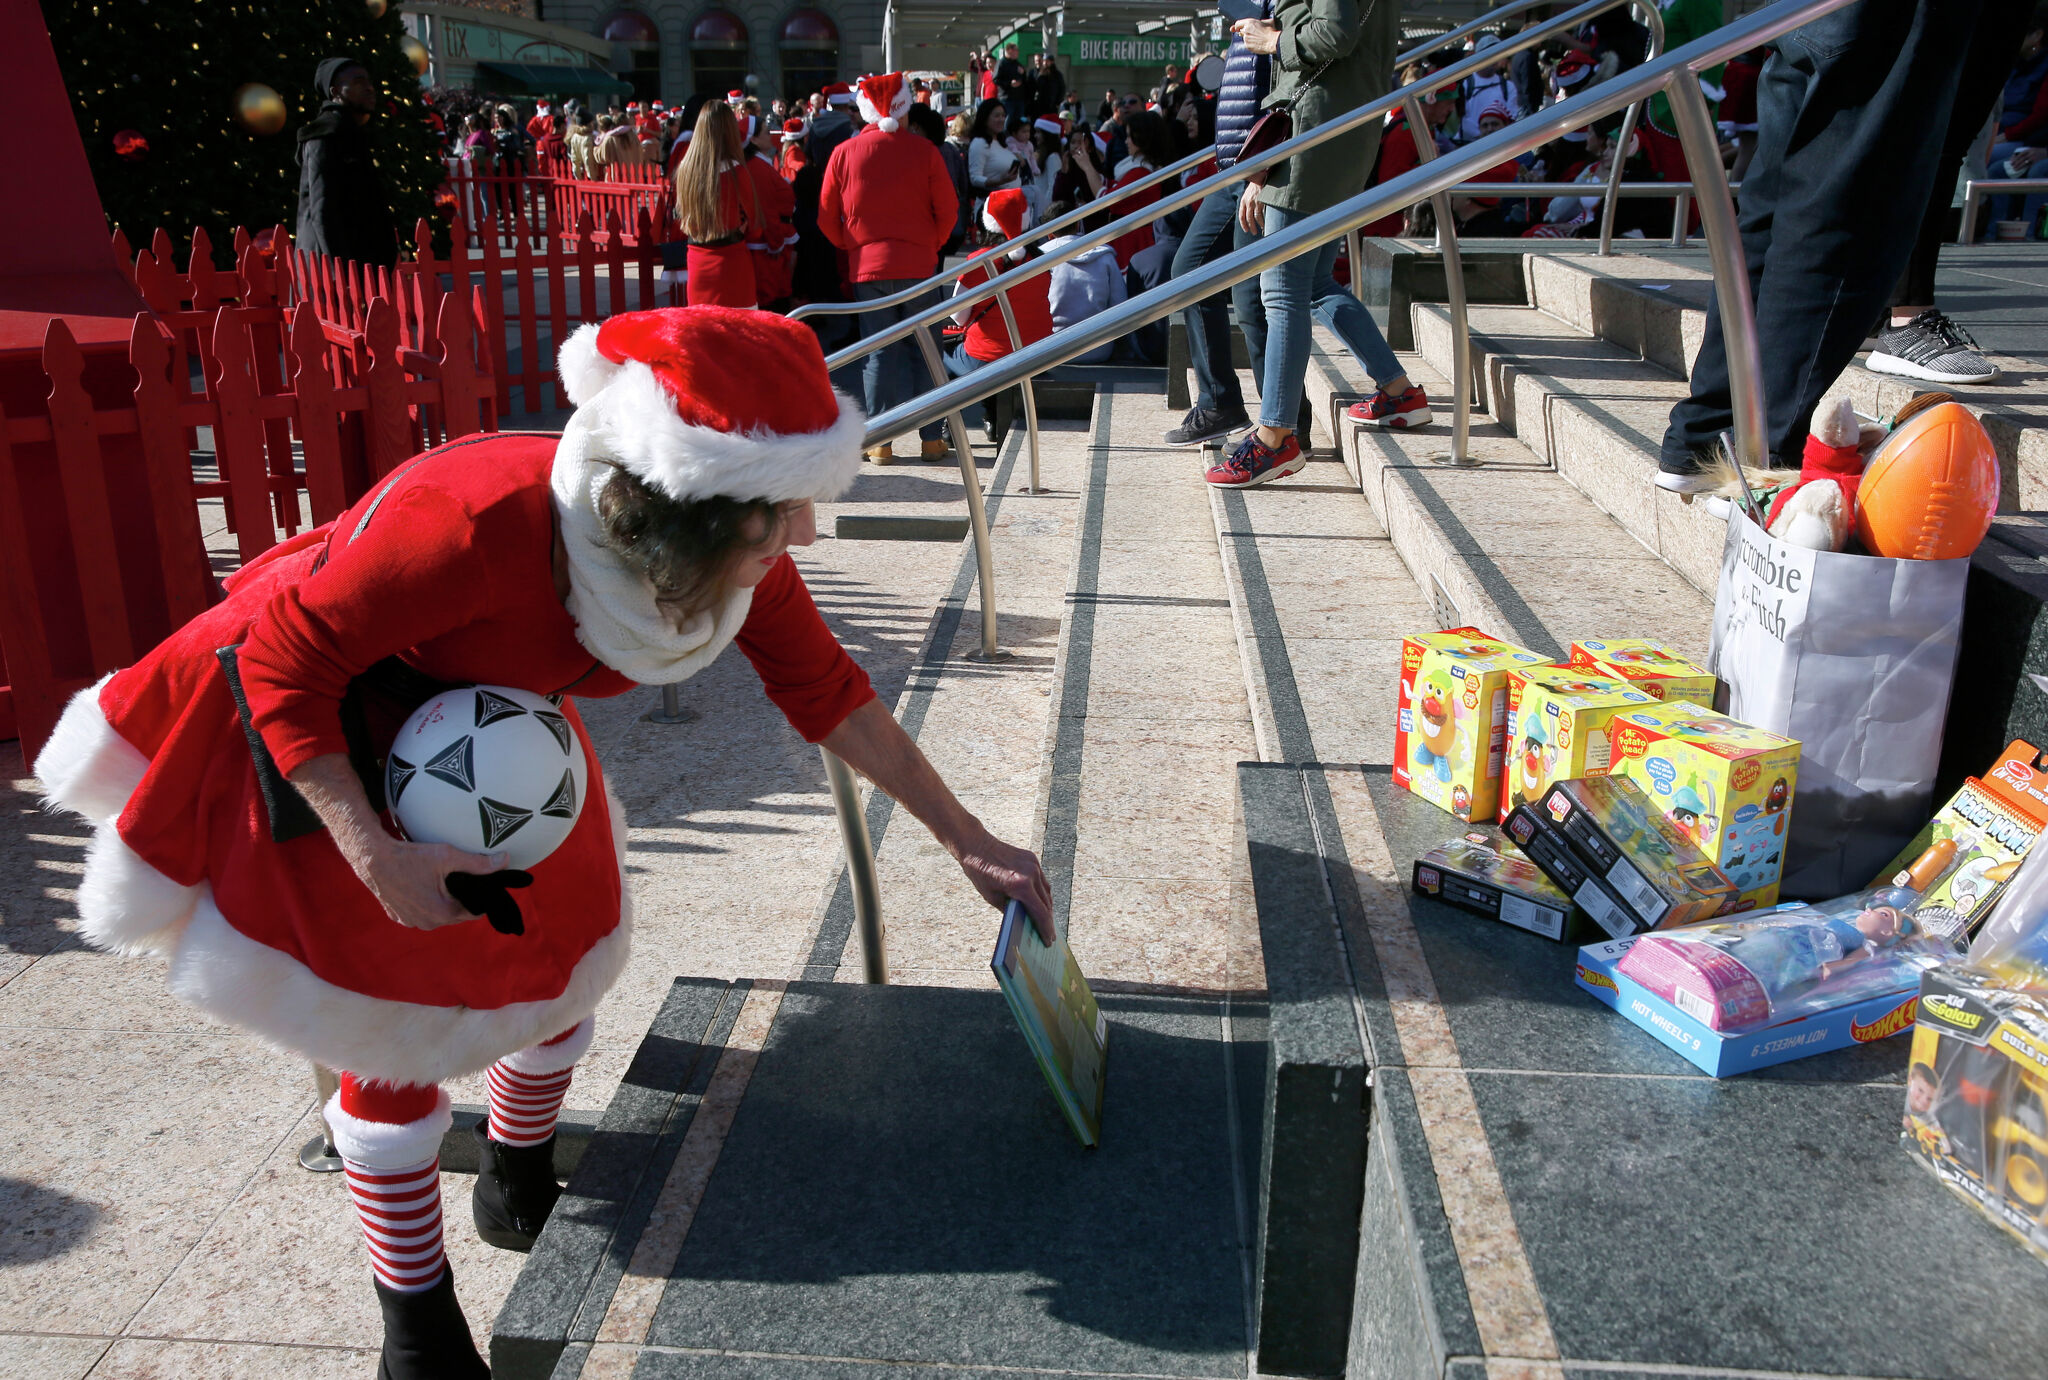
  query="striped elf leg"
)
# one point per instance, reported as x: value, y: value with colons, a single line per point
x: 527, y: 1088
x: 390, y: 1144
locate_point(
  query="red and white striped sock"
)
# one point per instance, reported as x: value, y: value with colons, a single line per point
x: 527, y: 1088
x: 400, y: 1211
x: 390, y: 1143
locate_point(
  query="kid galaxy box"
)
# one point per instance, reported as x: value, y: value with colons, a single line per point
x: 1451, y: 718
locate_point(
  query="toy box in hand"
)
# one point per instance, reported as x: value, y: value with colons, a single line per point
x: 1472, y: 874
x: 1977, y: 1097
x: 1728, y: 787
x: 1874, y: 1018
x: 1651, y: 667
x: 1559, y: 719
x: 1612, y: 851
x: 1963, y: 858
x: 1451, y: 718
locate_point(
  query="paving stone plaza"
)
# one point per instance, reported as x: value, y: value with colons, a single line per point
x: 1347, y: 1130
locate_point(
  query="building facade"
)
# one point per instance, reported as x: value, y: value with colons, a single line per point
x: 670, y: 49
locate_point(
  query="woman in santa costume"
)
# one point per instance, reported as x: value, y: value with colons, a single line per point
x: 233, y: 773
x: 718, y: 209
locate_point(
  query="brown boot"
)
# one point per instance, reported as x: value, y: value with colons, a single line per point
x: 883, y: 454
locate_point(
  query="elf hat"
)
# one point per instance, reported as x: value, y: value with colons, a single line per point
x: 674, y: 397
x: 838, y: 93
x: 1495, y: 111
x: 1007, y: 213
x: 884, y: 100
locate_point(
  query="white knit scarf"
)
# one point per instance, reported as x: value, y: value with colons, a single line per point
x: 617, y: 618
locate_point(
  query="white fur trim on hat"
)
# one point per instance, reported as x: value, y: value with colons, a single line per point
x: 387, y: 1144
x: 633, y: 421
x: 889, y: 120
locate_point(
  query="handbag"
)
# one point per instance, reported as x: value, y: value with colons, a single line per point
x: 1276, y: 126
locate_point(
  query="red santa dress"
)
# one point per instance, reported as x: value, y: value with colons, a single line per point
x: 722, y: 270
x: 448, y: 567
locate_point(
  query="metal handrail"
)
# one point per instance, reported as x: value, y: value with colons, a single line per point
x: 1655, y: 22
x: 1670, y: 73
x: 1975, y: 189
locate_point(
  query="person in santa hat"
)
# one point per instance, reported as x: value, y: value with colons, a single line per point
x: 236, y: 794
x: 773, y: 244
x: 719, y: 210
x: 1006, y: 213
x: 792, y: 160
x: 888, y: 204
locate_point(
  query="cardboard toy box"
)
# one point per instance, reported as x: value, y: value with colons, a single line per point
x: 1451, y: 718
x: 1874, y: 1018
x: 1607, y: 845
x: 1977, y: 1097
x: 1558, y: 727
x: 1962, y: 859
x: 1472, y: 874
x: 1728, y: 787
x: 1648, y: 666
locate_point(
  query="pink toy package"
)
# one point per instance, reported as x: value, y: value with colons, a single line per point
x: 1703, y: 982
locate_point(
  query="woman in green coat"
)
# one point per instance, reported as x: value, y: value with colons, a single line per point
x: 1328, y: 58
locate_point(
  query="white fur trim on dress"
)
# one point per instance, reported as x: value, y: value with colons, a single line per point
x: 389, y: 1144
x: 633, y: 421
x: 86, y: 767
x: 125, y: 905
x: 537, y: 1061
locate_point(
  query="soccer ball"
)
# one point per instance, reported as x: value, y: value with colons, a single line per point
x: 487, y: 769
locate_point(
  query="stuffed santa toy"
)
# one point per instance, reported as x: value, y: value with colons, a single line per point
x: 233, y: 791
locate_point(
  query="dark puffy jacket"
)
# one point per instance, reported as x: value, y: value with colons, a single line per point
x: 343, y: 209
x: 1245, y: 78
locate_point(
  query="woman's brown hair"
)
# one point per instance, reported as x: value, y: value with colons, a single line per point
x: 715, y: 143
x: 684, y: 549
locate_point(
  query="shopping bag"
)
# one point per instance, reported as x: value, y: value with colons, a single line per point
x: 1853, y: 656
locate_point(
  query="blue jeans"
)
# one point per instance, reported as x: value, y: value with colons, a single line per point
x: 2002, y: 206
x: 890, y: 376
x: 1289, y: 299
x: 1852, y: 114
x: 1211, y: 234
x: 960, y: 364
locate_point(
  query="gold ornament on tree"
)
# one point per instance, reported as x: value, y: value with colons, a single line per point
x: 258, y: 108
x: 416, y: 53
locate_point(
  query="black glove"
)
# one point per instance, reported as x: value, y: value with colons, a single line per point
x: 489, y: 894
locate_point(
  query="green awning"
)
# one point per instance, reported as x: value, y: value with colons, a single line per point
x: 550, y: 79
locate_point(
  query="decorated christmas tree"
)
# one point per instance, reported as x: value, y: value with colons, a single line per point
x: 190, y: 109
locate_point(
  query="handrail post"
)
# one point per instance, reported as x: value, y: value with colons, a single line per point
x: 1967, y: 233
x: 977, y: 513
x: 1030, y: 398
x: 1681, y: 220
x: 1354, y: 254
x: 860, y: 867
x: 1731, y: 272
x: 1454, y: 288
x: 1655, y: 21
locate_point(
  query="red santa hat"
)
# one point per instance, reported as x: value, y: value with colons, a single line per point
x: 1006, y: 212
x: 675, y: 397
x: 837, y: 93
x: 632, y: 107
x: 1572, y: 70
x: 1049, y: 125
x: 792, y: 131
x: 736, y: 97
x: 884, y: 100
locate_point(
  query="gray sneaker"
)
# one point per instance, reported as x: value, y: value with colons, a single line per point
x: 1932, y: 348
x: 1203, y: 425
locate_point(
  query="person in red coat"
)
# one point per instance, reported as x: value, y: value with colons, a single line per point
x: 888, y: 203
x: 232, y: 790
x: 987, y: 338
x: 719, y: 211
x: 773, y: 245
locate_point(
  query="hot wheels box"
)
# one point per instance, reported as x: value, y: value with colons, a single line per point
x: 1873, y: 1018
x: 1728, y: 787
x: 1558, y: 727
x: 1977, y: 1097
x: 1962, y: 860
x: 1471, y: 874
x: 1648, y: 666
x: 1618, y: 837
x: 1451, y: 718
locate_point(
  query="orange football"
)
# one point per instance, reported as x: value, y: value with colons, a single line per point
x: 1930, y: 490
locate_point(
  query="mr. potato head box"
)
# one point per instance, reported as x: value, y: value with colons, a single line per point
x: 1650, y: 667
x: 1450, y: 722
x: 1727, y: 786
x: 1560, y: 727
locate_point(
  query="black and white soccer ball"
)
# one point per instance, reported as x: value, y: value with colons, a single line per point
x: 487, y: 769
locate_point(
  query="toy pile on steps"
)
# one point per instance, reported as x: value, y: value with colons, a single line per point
x: 1636, y: 816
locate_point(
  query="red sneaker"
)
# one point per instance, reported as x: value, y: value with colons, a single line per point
x: 1251, y: 461
x: 1400, y: 412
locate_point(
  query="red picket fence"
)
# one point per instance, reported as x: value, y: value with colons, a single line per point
x: 101, y: 551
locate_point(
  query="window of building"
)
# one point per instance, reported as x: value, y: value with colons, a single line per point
x: 718, y: 54
x: 809, y: 48
x: 636, y: 51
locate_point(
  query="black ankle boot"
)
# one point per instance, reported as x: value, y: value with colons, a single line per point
x: 426, y: 1337
x: 515, y: 1190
